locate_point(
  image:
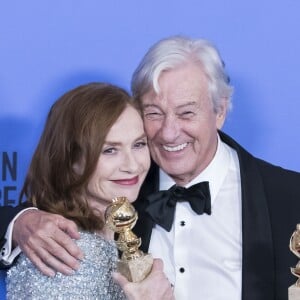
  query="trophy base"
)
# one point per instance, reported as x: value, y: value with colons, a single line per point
x: 137, y: 269
x: 294, y: 292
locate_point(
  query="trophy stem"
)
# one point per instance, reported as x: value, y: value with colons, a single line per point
x: 121, y: 217
x: 129, y: 244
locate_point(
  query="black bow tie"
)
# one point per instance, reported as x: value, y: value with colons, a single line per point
x: 162, y: 204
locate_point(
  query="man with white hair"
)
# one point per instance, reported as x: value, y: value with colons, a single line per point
x: 219, y: 218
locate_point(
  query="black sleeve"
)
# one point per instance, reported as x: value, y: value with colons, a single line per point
x: 7, y: 213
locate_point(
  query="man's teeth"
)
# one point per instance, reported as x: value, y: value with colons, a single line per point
x: 176, y: 148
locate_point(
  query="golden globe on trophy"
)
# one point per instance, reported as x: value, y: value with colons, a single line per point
x: 294, y: 290
x: 121, y: 216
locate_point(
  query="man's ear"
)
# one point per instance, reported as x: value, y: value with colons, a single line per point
x: 221, y: 114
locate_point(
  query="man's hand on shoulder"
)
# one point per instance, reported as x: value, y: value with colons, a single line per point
x: 46, y: 239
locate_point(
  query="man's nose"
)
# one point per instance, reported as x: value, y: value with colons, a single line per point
x: 170, y: 129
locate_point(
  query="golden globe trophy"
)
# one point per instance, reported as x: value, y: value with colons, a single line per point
x: 121, y: 216
x: 294, y: 290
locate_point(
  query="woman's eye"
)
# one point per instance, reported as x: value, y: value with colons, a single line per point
x: 140, y: 144
x: 109, y: 150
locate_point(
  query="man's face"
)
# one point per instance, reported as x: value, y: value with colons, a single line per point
x: 181, y: 124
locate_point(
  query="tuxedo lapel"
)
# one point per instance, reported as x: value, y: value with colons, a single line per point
x: 144, y: 225
x: 258, y: 280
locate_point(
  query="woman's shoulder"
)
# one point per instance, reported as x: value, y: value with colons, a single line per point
x: 24, y: 280
x: 96, y: 249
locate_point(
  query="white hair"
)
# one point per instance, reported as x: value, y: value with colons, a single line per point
x: 170, y: 53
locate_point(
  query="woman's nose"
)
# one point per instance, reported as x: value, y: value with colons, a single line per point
x: 129, y: 163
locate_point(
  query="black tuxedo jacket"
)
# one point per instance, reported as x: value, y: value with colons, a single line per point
x: 270, y: 212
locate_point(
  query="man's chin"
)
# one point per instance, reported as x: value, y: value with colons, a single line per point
x: 179, y: 172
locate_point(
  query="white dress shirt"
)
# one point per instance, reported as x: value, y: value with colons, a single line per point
x: 202, y: 254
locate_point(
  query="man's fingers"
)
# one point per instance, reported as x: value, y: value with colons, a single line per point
x: 47, y: 258
x: 65, y: 248
x: 41, y: 265
x: 158, y: 265
x: 52, y: 238
x: 69, y: 227
x: 61, y: 254
x: 59, y: 260
x: 47, y: 240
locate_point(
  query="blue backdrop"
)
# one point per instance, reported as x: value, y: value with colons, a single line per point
x: 48, y: 47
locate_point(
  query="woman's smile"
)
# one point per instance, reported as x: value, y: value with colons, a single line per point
x: 127, y: 181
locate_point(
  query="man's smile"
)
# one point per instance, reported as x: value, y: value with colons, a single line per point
x: 175, y: 148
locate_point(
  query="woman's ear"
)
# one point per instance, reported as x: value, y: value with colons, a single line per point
x: 78, y: 168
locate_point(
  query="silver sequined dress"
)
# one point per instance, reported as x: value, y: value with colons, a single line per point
x: 92, y: 281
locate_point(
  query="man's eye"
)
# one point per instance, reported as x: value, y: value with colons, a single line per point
x: 187, y: 114
x: 152, y: 115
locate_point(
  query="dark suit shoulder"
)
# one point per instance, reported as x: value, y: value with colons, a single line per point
x: 7, y: 213
x: 271, y: 209
x: 280, y: 180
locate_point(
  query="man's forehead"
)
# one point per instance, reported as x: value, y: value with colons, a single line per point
x: 181, y: 95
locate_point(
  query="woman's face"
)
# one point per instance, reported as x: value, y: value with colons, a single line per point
x: 123, y: 163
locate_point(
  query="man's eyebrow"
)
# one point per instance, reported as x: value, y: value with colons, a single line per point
x: 149, y: 105
x: 191, y: 103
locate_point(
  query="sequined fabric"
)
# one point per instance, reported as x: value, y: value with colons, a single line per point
x: 92, y: 281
